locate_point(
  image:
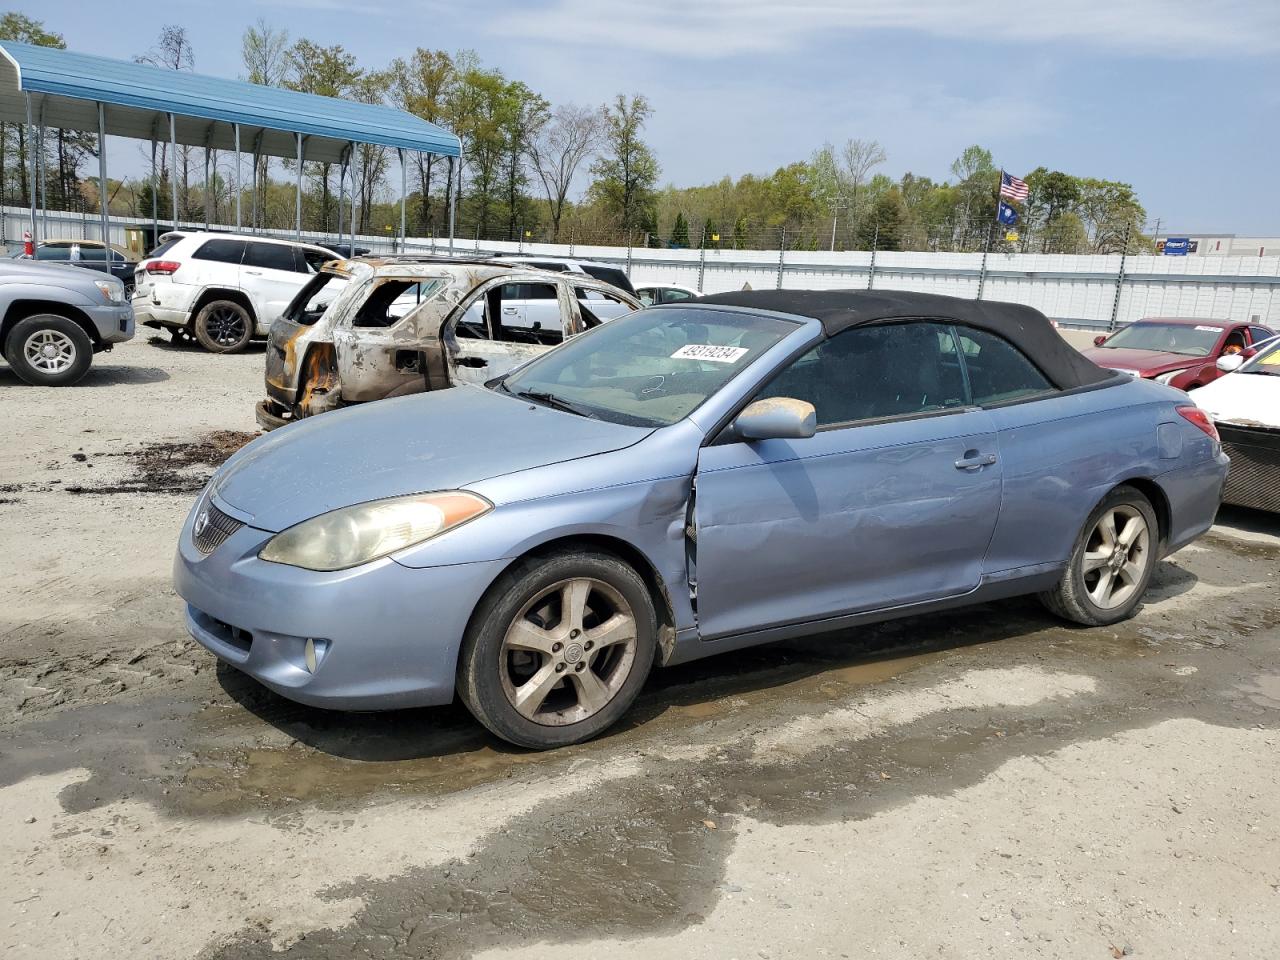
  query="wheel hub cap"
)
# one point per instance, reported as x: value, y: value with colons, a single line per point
x: 567, y: 654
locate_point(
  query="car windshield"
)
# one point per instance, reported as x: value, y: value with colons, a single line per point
x: 649, y: 368
x: 1187, y: 339
x: 1267, y: 362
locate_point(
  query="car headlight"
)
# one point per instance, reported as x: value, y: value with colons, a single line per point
x: 112, y: 290
x: 1166, y: 377
x: 367, y: 531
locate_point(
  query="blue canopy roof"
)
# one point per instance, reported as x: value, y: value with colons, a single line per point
x: 67, y: 86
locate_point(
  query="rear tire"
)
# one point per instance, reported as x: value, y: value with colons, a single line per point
x: 1112, y: 562
x: 48, y: 350
x: 558, y: 649
x: 223, y: 326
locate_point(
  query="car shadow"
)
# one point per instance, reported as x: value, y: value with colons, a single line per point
x: 96, y: 377
x: 417, y: 734
x: 1247, y: 521
x: 193, y: 346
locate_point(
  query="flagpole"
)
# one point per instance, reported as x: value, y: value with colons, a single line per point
x: 982, y: 271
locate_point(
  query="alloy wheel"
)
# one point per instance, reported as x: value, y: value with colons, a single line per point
x: 1116, y: 557
x: 50, y: 351
x: 225, y: 326
x: 568, y: 652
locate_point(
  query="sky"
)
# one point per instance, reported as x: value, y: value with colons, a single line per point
x: 1180, y: 98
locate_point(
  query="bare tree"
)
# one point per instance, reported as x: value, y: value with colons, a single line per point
x: 560, y: 148
x: 262, y: 50
x: 859, y: 158
x: 173, y: 51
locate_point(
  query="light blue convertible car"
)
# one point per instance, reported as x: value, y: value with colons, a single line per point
x: 686, y: 480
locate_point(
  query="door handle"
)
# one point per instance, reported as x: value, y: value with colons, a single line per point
x: 511, y: 310
x: 972, y: 460
x: 471, y: 362
x: 254, y: 273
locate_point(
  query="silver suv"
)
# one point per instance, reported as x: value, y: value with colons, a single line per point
x: 54, y: 318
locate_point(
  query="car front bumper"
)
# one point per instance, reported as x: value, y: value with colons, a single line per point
x: 385, y: 635
x: 114, y: 322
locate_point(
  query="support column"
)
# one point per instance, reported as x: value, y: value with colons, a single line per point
x: 342, y: 192
x: 102, y: 181
x: 42, y: 174
x: 206, y: 180
x: 173, y: 168
x: 155, y: 193
x: 404, y: 190
x: 31, y: 164
x: 453, y: 199
x: 355, y: 190
x: 297, y: 193
x: 238, y: 187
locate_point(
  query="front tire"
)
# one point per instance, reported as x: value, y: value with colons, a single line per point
x: 558, y: 649
x: 48, y: 350
x: 1111, y: 564
x: 223, y: 326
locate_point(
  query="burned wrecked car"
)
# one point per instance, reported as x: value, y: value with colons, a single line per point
x: 371, y: 328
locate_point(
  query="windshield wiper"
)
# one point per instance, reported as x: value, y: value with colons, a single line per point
x: 551, y: 400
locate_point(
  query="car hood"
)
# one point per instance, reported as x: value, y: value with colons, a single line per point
x: 443, y: 440
x: 1149, y: 363
x: 1249, y: 399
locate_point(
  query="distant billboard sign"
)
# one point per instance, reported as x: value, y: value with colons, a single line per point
x: 1177, y: 246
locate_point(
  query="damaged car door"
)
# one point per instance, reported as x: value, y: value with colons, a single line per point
x: 490, y: 333
x: 378, y: 346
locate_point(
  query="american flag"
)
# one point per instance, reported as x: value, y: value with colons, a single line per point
x: 1012, y: 187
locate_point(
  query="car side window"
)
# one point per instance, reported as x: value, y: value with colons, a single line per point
x: 675, y: 296
x: 874, y: 372
x: 220, y: 251
x: 51, y: 252
x: 310, y: 261
x: 998, y: 371
x: 1235, y: 342
x: 646, y: 296
x: 270, y: 256
x: 93, y: 254
x: 1260, y: 333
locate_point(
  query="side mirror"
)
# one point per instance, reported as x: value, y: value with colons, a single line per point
x: 1231, y: 362
x: 1100, y: 340
x: 776, y: 418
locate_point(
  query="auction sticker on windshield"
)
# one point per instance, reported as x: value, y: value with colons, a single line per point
x: 1209, y: 329
x: 708, y: 351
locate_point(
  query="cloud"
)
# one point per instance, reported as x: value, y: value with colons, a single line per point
x: 713, y: 29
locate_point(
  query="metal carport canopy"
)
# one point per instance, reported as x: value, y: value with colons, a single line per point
x: 66, y: 88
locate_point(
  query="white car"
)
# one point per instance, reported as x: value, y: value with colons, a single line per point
x: 615, y: 276
x: 224, y: 289
x: 1245, y: 407
x: 651, y: 293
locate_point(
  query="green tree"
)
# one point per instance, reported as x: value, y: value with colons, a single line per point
x: 1110, y: 211
x: 13, y: 136
x: 680, y: 232
x: 740, y: 233
x: 422, y: 85
x: 884, y: 225
x: 627, y: 171
x: 326, y: 72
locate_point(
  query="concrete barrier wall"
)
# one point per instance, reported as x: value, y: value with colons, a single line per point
x: 1084, y: 290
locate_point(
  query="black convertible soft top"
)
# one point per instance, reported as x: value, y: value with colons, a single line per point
x: 1024, y: 327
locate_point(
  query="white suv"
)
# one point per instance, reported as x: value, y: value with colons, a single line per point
x: 223, y: 289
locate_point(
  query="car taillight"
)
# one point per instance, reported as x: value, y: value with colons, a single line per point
x: 1197, y: 417
x: 164, y: 268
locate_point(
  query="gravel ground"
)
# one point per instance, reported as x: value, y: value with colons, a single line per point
x: 983, y: 783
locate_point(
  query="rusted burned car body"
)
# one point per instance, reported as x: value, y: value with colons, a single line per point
x: 371, y: 328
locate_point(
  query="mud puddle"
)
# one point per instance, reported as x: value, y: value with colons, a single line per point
x: 168, y: 467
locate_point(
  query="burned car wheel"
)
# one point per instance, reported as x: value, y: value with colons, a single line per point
x: 223, y: 326
x: 1112, y: 562
x: 558, y: 649
x: 48, y: 350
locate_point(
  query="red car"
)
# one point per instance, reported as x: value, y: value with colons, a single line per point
x: 1180, y: 351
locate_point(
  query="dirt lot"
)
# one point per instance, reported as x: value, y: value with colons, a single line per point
x: 988, y: 783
